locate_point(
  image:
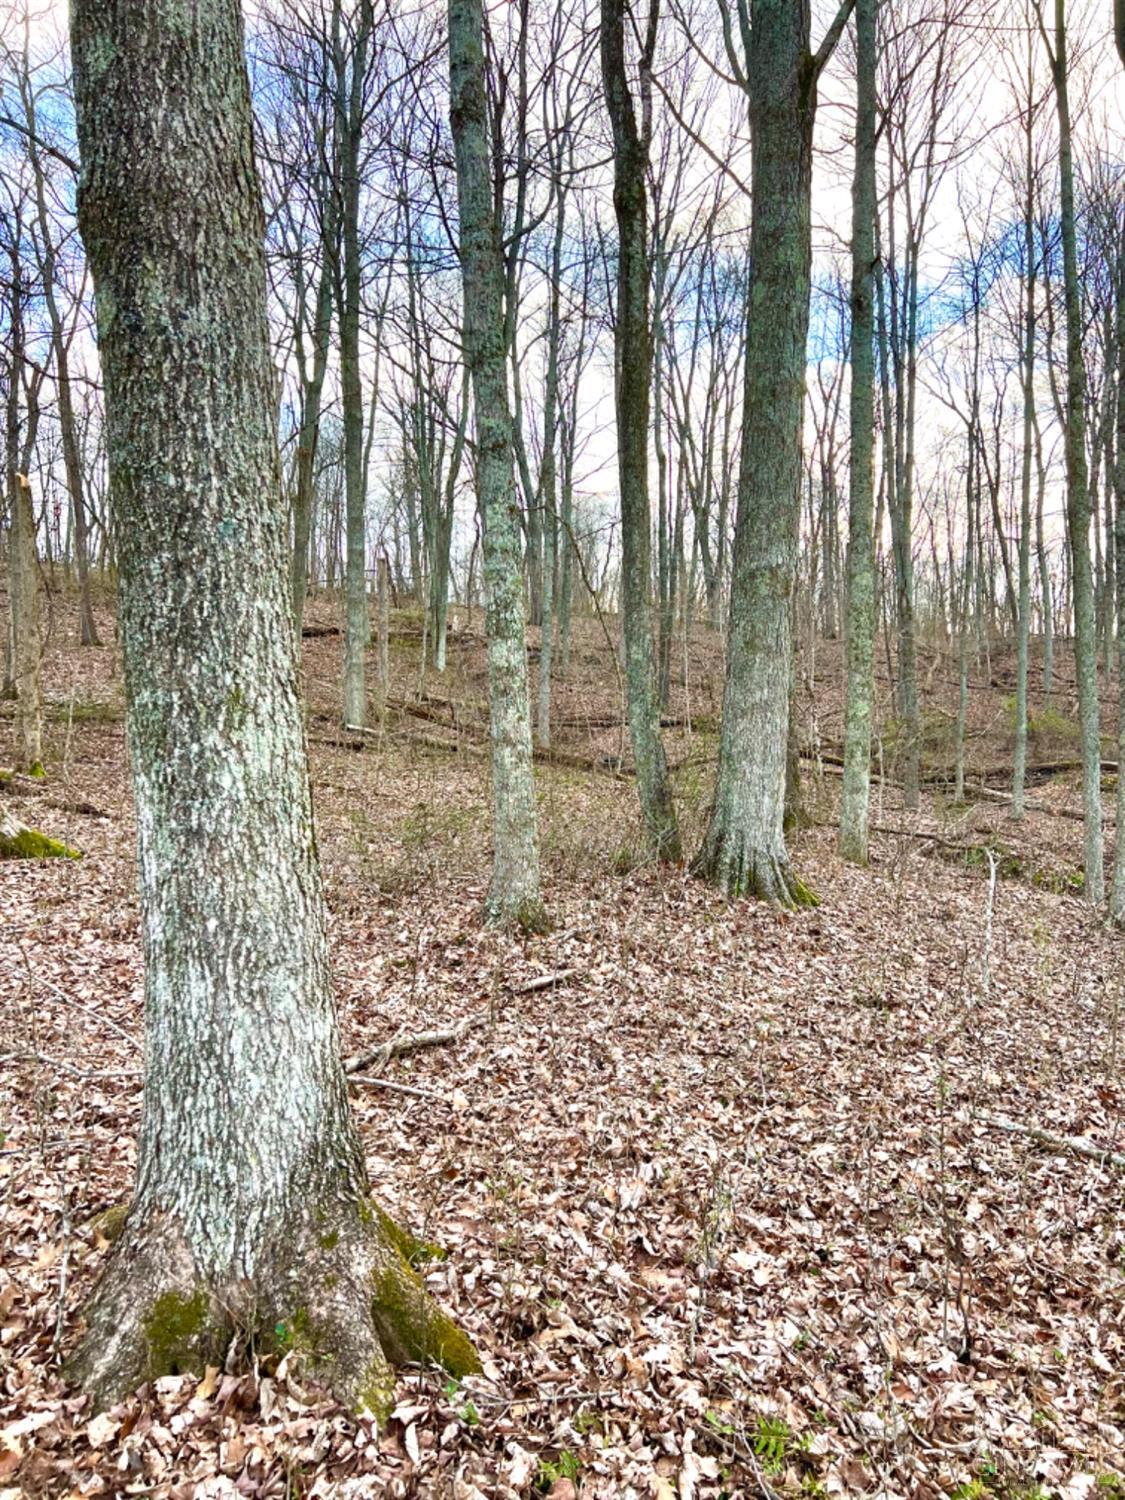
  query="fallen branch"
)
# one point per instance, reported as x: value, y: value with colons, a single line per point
x: 422, y: 1041
x: 399, y: 1088
x: 1076, y: 1144
x: 543, y: 982
x: 402, y: 1046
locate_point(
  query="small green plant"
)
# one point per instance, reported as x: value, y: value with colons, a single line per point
x: 770, y: 1441
x: 467, y: 1411
x: 718, y: 1423
x: 566, y: 1466
x: 1110, y: 1487
x: 972, y: 1489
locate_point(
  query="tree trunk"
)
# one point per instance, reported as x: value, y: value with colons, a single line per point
x: 351, y: 70
x: 1077, y: 492
x: 514, y: 894
x: 27, y: 640
x: 308, y: 436
x: 60, y: 346
x: 1117, y: 894
x: 633, y: 348
x: 19, y: 842
x: 250, y: 1213
x: 1023, y: 627
x: 744, y: 849
x: 860, y: 634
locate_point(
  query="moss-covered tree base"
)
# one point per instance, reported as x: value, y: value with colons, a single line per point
x: 740, y: 870
x: 18, y: 842
x: 521, y: 913
x: 343, y: 1301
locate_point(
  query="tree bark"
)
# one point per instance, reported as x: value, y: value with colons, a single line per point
x: 633, y: 349
x: 1077, y: 491
x: 860, y: 634
x: 514, y: 894
x: 27, y: 640
x: 251, y: 1212
x: 744, y: 849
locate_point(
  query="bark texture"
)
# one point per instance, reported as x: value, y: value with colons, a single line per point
x: 744, y: 849
x: 250, y: 1217
x: 860, y: 629
x: 1077, y: 487
x: 514, y: 894
x: 27, y: 640
x: 633, y: 350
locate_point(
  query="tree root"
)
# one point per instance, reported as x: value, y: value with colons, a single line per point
x: 342, y: 1298
x: 739, y: 870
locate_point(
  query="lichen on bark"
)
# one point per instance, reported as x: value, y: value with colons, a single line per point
x: 251, y: 1205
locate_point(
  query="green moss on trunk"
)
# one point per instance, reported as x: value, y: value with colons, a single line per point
x: 413, y: 1328
x: 179, y: 1333
x: 27, y: 843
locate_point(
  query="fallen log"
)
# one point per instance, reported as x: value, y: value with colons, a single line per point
x: 20, y: 842
x: 1077, y: 1145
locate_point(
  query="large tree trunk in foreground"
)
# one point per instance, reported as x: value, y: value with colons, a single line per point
x: 633, y: 347
x: 27, y: 641
x: 514, y: 894
x: 860, y: 631
x: 744, y: 850
x: 250, y: 1215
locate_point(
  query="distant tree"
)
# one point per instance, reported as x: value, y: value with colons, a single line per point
x: 1077, y: 469
x: 860, y: 626
x: 251, y: 1211
x: 633, y: 345
x: 514, y: 895
x: 27, y: 651
x: 744, y: 849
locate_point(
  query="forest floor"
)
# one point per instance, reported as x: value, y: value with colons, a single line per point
x: 736, y: 1203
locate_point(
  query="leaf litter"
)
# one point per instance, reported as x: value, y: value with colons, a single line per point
x: 725, y: 1205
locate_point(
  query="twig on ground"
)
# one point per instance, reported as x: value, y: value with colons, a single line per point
x: 1078, y: 1144
x: 378, y: 1057
x: 400, y: 1088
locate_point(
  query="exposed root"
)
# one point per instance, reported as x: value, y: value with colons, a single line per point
x: 527, y: 915
x: 739, y: 870
x: 342, y: 1298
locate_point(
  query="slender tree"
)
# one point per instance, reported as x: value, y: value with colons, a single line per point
x: 251, y: 1209
x: 514, y: 895
x: 351, y: 45
x: 633, y: 360
x: 23, y: 574
x: 1077, y: 472
x: 861, y: 544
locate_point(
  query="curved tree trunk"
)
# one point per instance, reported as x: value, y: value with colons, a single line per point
x: 514, y: 894
x: 251, y: 1213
